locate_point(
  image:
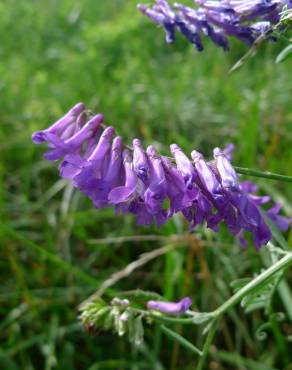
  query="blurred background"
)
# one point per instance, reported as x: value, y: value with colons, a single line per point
x: 56, y: 249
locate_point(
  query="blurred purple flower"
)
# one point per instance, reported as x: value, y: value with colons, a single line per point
x: 172, y: 308
x: 281, y: 222
x: 243, y: 19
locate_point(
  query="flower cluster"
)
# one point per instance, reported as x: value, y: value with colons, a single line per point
x: 123, y: 317
x: 117, y: 316
x: 244, y: 19
x: 151, y: 186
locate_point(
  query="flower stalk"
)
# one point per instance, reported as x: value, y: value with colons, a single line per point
x: 282, y: 264
x: 185, y: 343
x: 262, y: 174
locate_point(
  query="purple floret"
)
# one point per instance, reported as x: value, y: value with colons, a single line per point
x: 59, y: 127
x: 171, y: 308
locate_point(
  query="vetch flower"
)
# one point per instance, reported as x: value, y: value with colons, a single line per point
x: 94, y: 168
x: 227, y: 173
x: 152, y: 187
x: 112, y: 177
x: 72, y: 144
x: 184, y: 165
x: 179, y: 195
x: 128, y: 192
x: 140, y: 160
x: 207, y: 179
x: 281, y: 222
x: 59, y: 127
x: 155, y: 194
x: 171, y: 308
x: 161, y: 20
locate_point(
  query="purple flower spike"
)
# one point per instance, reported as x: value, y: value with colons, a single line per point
x: 59, y: 126
x: 161, y: 20
x: 226, y: 171
x: 153, y: 188
x: 250, y: 9
x: 184, y: 165
x: 244, y: 19
x: 140, y: 160
x: 172, y: 308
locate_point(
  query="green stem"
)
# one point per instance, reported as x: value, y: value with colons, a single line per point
x: 207, y: 344
x: 255, y: 283
x: 184, y: 342
x: 159, y: 318
x: 171, y: 320
x: 265, y: 174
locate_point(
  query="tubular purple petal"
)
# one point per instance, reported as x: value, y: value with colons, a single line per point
x: 128, y: 192
x: 140, y: 161
x: 206, y: 176
x: 74, y: 143
x: 103, y: 145
x: 172, y: 308
x: 281, y: 222
x: 227, y: 173
x: 59, y: 126
x: 156, y: 191
x: 184, y: 165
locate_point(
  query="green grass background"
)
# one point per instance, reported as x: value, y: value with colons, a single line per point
x: 55, y: 53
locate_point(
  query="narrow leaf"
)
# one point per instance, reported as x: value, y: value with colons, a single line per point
x: 285, y: 54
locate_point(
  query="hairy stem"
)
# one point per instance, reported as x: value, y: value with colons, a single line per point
x: 265, y: 174
x: 177, y: 337
x: 207, y: 344
x: 254, y: 284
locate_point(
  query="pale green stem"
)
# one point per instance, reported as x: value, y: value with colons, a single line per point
x: 207, y: 344
x: 255, y: 283
x: 170, y: 320
x: 265, y: 174
x: 183, y: 341
x: 237, y: 297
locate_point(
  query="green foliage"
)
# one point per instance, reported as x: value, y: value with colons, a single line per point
x: 105, y: 53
